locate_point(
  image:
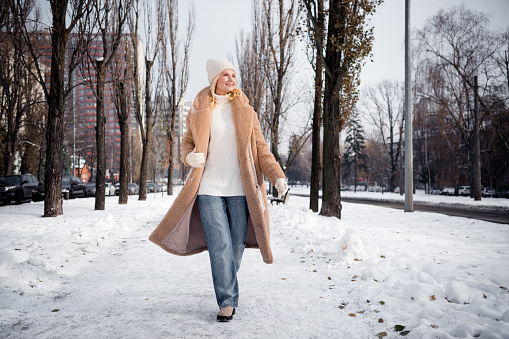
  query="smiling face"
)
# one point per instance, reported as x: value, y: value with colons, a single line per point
x: 226, y: 82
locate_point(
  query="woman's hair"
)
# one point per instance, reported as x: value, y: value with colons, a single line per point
x: 231, y: 95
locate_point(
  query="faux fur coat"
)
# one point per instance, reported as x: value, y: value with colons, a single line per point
x: 181, y: 230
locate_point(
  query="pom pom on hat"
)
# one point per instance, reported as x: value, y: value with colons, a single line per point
x: 216, y: 66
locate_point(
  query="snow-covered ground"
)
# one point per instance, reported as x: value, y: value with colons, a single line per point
x: 94, y: 274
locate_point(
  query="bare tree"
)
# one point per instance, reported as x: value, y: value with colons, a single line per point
x: 122, y: 92
x: 18, y: 91
x: 58, y: 90
x: 175, y: 64
x: 152, y: 42
x: 376, y: 158
x: 460, y: 46
x: 315, y: 26
x: 251, y: 54
x: 109, y: 18
x: 281, y: 44
x: 384, y: 104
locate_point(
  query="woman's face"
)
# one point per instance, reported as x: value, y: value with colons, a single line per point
x: 226, y: 82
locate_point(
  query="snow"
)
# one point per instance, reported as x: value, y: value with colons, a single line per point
x: 94, y: 274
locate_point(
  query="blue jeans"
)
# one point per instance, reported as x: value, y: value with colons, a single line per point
x: 225, y: 224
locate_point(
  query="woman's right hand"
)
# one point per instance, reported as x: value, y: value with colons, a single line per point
x: 195, y: 159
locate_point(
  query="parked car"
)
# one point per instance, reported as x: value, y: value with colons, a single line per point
x: 464, y: 190
x: 38, y: 193
x: 90, y: 189
x: 161, y: 187
x: 109, y: 189
x: 177, y: 181
x: 488, y: 192
x: 448, y: 191
x: 435, y: 191
x: 75, y: 186
x: 17, y: 188
x: 503, y: 193
x: 396, y: 189
x: 151, y: 187
x: 133, y: 189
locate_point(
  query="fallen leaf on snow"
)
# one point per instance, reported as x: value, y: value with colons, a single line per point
x: 399, y: 328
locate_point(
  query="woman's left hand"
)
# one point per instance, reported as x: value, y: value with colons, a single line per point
x: 281, y: 186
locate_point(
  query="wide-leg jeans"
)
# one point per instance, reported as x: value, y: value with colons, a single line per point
x: 225, y: 224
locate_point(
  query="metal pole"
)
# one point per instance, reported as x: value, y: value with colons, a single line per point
x: 477, y: 145
x: 74, y: 91
x: 409, y: 168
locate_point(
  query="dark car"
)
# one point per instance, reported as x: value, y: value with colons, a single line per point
x: 75, y: 186
x: 90, y: 189
x: 17, y: 188
x: 503, y: 193
x: 38, y: 193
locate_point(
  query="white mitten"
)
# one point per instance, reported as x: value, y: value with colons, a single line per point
x: 195, y: 159
x: 281, y: 187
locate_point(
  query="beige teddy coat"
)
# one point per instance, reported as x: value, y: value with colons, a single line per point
x: 181, y: 230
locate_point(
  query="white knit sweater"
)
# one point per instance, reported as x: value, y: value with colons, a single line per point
x: 221, y: 175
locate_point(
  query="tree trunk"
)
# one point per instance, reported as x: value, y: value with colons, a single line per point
x: 331, y: 196
x: 171, y: 138
x: 124, y: 145
x: 56, y: 109
x: 317, y: 116
x: 332, y: 125
x: 100, y: 182
x: 148, y: 132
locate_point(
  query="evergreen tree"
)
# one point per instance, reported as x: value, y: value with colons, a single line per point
x: 354, y: 157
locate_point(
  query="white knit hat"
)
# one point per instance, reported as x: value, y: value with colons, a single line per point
x: 216, y: 66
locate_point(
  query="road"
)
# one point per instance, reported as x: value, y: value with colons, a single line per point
x: 473, y: 214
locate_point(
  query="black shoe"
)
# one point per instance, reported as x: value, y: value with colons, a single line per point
x: 224, y: 314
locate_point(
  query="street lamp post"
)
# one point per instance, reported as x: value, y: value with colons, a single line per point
x: 409, y: 169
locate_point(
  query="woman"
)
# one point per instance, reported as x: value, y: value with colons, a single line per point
x: 222, y: 207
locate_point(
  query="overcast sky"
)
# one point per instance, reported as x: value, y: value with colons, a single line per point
x: 219, y: 21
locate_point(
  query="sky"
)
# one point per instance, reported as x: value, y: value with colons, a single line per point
x: 219, y: 22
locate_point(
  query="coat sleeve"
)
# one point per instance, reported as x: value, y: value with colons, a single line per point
x: 188, y: 142
x: 268, y: 164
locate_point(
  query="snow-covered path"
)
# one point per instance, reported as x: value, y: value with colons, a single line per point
x: 91, y: 274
